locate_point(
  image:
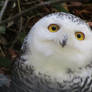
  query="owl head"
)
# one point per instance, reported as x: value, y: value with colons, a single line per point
x: 59, y: 42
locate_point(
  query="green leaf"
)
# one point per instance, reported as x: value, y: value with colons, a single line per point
x: 5, y: 62
x: 2, y: 29
x: 21, y: 37
x: 60, y: 7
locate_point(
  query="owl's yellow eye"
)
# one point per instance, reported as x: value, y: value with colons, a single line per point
x: 53, y: 27
x: 80, y: 35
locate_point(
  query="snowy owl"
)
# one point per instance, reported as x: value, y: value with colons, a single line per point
x: 56, y: 56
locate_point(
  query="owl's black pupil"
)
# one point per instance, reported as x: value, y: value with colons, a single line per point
x: 53, y: 28
x: 78, y: 35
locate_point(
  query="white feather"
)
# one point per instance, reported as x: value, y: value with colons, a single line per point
x: 48, y: 56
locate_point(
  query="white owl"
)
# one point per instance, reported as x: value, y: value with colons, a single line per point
x: 57, y: 56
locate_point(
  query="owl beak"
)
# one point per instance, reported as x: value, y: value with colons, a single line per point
x: 63, y: 43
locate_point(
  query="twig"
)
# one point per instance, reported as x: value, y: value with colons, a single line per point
x: 3, y: 9
x: 21, y: 20
x: 30, y: 3
x: 20, y: 26
x: 45, y: 8
x: 36, y: 6
x: 2, y: 51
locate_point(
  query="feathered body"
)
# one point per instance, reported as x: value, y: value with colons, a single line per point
x: 55, y: 61
x: 25, y: 80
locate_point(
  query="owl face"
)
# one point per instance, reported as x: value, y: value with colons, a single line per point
x: 60, y: 41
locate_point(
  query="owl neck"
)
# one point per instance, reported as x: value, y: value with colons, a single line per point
x: 24, y: 79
